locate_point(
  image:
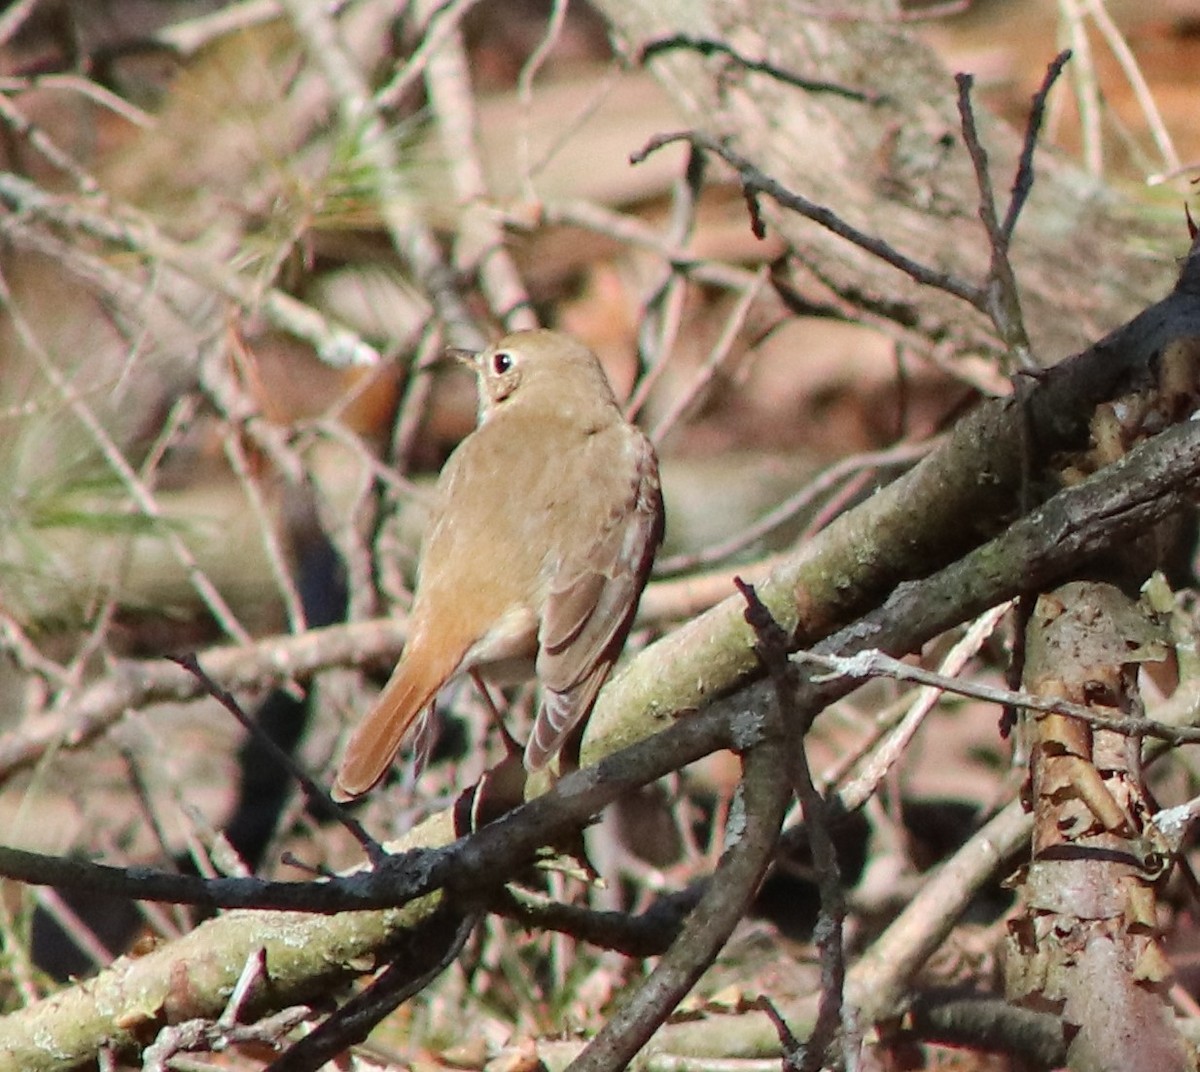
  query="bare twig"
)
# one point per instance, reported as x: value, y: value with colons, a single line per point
x: 440, y: 943
x: 794, y: 504
x: 14, y: 18
x: 362, y: 116
x: 765, y: 791
x: 755, y: 181
x: 481, y: 236
x: 1003, y: 297
x: 26, y: 978
x: 444, y: 19
x: 81, y: 935
x: 708, y: 46
x: 129, y: 684
x: 141, y: 495
x: 1086, y: 87
x: 772, y: 644
x: 716, y: 359
x: 1023, y: 180
x: 124, y: 227
x: 871, y: 771
x: 998, y: 297
x: 791, y: 1046
x: 662, y: 310
x: 632, y: 231
x: 15, y: 642
x: 525, y: 79
x: 42, y: 143
x: 268, y: 529
x: 1137, y: 82
x: 142, y: 795
x: 188, y: 36
x: 646, y: 935
x: 85, y: 87
x: 411, y: 410
x: 870, y: 663
x: 205, y: 1036
x: 317, y: 796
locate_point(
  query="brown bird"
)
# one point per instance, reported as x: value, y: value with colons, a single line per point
x: 547, y: 519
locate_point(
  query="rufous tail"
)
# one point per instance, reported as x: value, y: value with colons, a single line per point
x: 378, y: 737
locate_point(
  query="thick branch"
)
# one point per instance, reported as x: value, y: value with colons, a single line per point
x: 961, y: 494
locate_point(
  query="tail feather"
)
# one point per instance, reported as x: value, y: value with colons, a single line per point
x: 373, y: 746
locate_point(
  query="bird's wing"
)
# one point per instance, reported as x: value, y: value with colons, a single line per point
x: 592, y: 599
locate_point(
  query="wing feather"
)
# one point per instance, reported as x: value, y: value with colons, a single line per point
x: 591, y: 602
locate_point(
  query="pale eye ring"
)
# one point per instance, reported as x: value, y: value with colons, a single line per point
x: 502, y: 361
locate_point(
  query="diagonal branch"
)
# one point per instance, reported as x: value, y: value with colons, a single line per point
x: 755, y: 182
x: 753, y: 834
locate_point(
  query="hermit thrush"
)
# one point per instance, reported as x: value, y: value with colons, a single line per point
x: 546, y: 523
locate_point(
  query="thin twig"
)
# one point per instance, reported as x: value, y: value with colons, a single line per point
x: 317, y: 796
x: 273, y: 661
x: 870, y: 771
x: 135, y: 307
x: 411, y: 411
x: 709, y: 46
x: 285, y: 583
x: 633, y: 231
x: 349, y: 521
x: 771, y: 644
x: 823, y: 482
x: 361, y: 115
x: 143, y: 796
x: 26, y: 979
x: 873, y: 663
x: 443, y: 20
x: 207, y: 1036
x: 755, y: 181
x: 188, y: 36
x: 1137, y: 81
x: 1087, y: 90
x: 1023, y: 179
x: 525, y: 79
x: 141, y: 495
x: 79, y: 932
x: 646, y: 935
x: 765, y: 791
x: 791, y: 1046
x: 14, y: 18
x: 401, y: 980
x: 662, y: 309
x: 44, y: 145
x: 448, y: 80
x: 167, y: 925
x: 1003, y: 302
x: 123, y: 226
x: 717, y: 357
x: 84, y: 87
x: 15, y: 643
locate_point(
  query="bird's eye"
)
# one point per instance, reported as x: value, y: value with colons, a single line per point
x: 502, y: 361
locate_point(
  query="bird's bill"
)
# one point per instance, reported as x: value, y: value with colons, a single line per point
x: 470, y: 358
